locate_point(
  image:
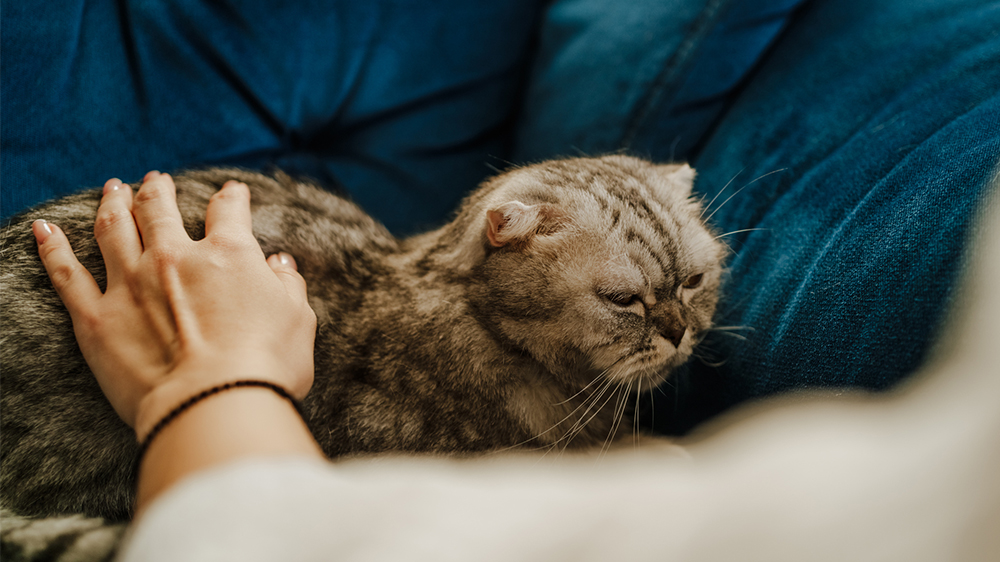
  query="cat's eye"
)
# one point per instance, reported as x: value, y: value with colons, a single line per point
x: 621, y: 299
x: 693, y: 281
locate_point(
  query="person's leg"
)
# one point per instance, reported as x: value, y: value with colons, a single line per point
x: 402, y: 105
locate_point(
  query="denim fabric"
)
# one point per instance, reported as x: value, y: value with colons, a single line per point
x: 402, y: 105
x: 853, y: 162
x: 649, y: 76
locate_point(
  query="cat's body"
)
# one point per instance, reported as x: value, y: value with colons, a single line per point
x: 485, y: 334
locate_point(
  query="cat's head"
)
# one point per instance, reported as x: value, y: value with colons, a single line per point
x: 594, y: 265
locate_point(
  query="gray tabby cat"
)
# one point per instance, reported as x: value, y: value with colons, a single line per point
x: 558, y: 293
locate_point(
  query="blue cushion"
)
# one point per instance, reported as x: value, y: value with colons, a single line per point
x: 402, y: 105
x: 845, y: 178
x: 649, y: 76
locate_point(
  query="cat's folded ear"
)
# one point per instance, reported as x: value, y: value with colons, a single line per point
x: 516, y: 222
x: 680, y: 177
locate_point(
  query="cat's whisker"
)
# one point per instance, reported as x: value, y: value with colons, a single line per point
x: 652, y: 406
x: 661, y: 391
x: 731, y: 331
x: 619, y: 399
x: 730, y: 248
x: 706, y: 207
x: 510, y: 165
x: 673, y: 146
x: 617, y: 417
x: 581, y: 424
x: 607, y: 382
x: 668, y: 382
x: 598, y: 393
x: 740, y: 337
x: 635, y: 418
x: 589, y: 402
x: 707, y: 356
x: 708, y: 362
x: 731, y: 328
x: 621, y: 412
x: 737, y: 192
x: 584, y: 389
x: 568, y: 416
x: 739, y: 231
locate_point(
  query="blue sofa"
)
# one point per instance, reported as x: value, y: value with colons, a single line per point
x: 843, y: 146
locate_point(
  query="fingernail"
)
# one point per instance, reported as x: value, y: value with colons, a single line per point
x: 150, y: 175
x: 113, y: 184
x: 42, y: 230
x: 287, y: 259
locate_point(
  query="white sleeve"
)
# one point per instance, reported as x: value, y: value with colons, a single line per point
x: 846, y: 492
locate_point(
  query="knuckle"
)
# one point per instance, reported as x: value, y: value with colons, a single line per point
x: 165, y: 257
x: 150, y: 192
x: 47, y: 252
x: 160, y: 223
x: 232, y: 241
x: 63, y: 274
x: 87, y: 321
x: 108, y: 219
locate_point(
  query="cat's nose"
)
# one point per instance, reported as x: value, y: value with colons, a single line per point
x: 675, y: 334
x: 669, y: 323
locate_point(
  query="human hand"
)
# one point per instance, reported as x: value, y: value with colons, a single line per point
x: 178, y: 316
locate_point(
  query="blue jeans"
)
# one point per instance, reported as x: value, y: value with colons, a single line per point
x: 843, y: 147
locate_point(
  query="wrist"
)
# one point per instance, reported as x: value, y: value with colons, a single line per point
x: 193, y: 401
x: 192, y: 379
x: 225, y: 426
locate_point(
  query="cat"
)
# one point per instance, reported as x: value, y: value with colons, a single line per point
x: 559, y: 291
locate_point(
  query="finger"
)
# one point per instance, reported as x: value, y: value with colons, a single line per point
x: 115, y: 230
x: 229, y: 211
x: 284, y: 266
x: 76, y: 287
x: 155, y: 210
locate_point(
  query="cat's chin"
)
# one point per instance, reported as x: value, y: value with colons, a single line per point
x: 649, y: 369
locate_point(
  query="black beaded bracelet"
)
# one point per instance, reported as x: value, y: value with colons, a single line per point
x: 183, y: 406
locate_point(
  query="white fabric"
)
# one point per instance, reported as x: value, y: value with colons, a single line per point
x: 915, y: 476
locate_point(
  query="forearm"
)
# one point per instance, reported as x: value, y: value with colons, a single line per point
x: 236, y: 423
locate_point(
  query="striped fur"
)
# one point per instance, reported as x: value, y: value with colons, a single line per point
x: 69, y: 538
x: 558, y: 293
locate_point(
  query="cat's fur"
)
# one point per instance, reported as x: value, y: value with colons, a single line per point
x: 487, y: 333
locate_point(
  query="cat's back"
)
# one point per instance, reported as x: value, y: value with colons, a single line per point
x: 339, y: 249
